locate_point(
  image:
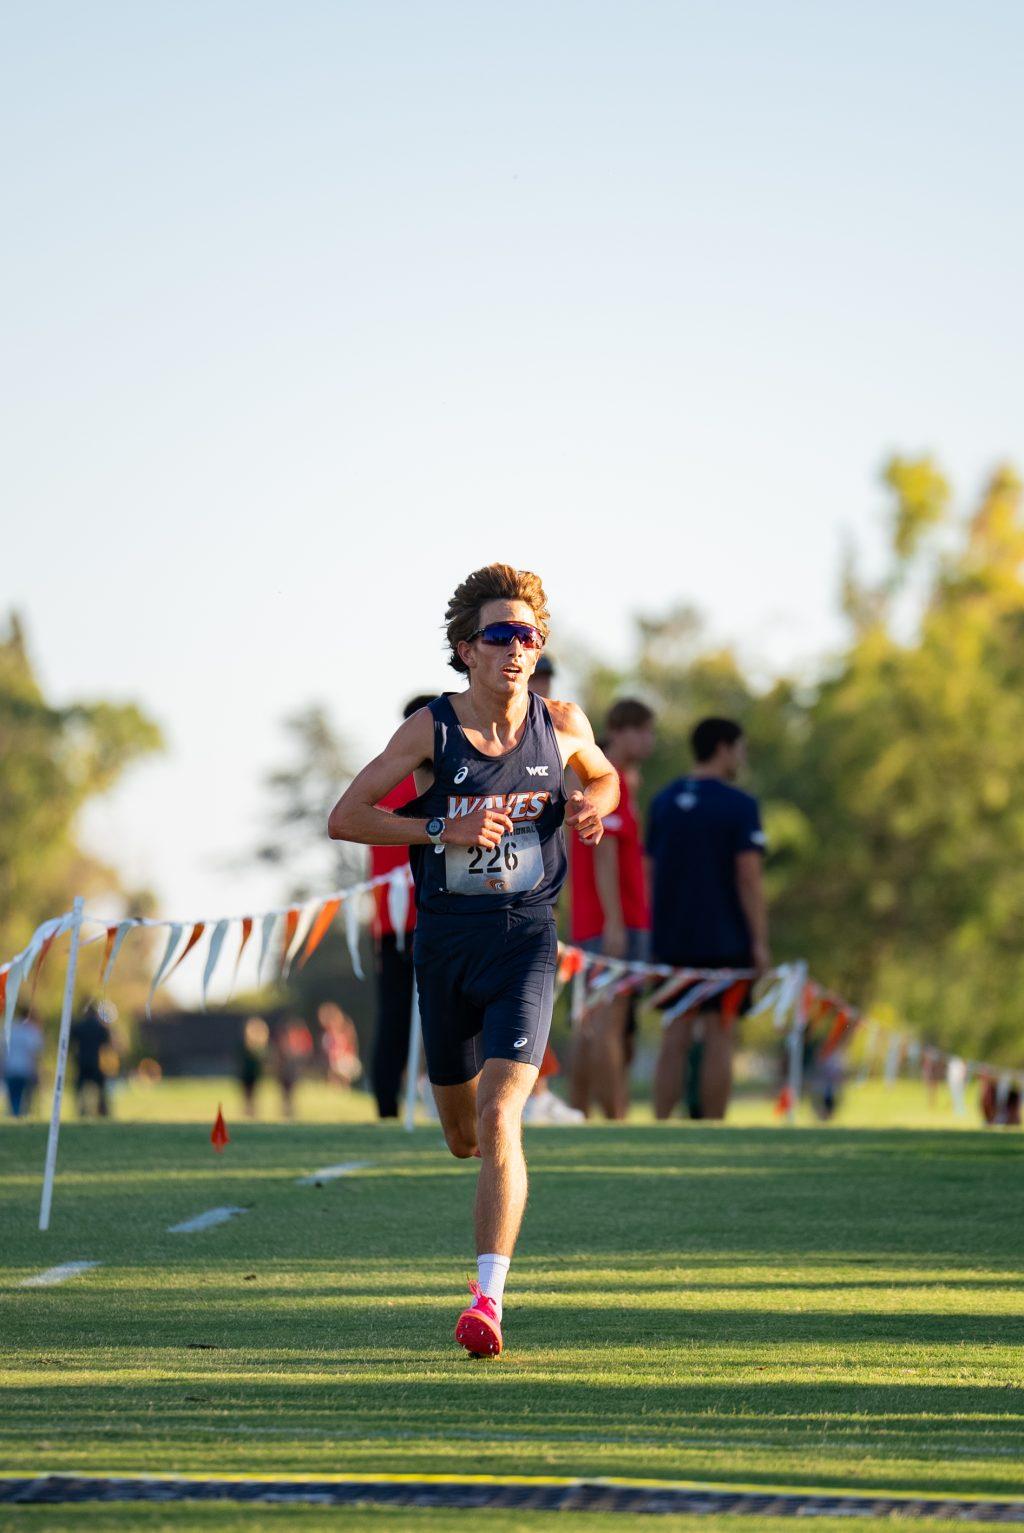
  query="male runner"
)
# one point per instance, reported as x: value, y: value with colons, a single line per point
x: 488, y: 859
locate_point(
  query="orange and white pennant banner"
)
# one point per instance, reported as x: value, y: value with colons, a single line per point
x: 115, y: 938
x: 291, y: 923
x: 173, y: 938
x: 352, y: 930
x: 269, y: 922
x: 22, y: 962
x: 198, y: 927
x: 303, y: 927
x: 217, y: 936
x: 318, y: 931
x: 398, y: 905
x: 247, y: 925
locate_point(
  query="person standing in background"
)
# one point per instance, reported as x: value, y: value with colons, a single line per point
x: 611, y: 914
x: 252, y: 1060
x: 393, y: 963
x: 543, y: 1105
x: 91, y: 1042
x: 21, y: 1064
x: 706, y: 849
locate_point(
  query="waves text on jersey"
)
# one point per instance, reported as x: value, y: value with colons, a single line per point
x: 518, y: 806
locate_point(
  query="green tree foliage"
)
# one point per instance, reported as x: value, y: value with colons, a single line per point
x: 53, y: 761
x: 891, y: 786
x: 300, y: 795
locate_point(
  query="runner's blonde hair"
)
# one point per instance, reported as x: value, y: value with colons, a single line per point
x: 495, y: 582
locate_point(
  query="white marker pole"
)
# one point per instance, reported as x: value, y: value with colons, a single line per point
x: 412, y: 1067
x: 795, y: 1078
x: 62, y: 1065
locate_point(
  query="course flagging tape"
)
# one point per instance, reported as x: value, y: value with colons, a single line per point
x: 522, y: 1495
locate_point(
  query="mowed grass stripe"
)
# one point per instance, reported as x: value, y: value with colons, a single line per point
x: 742, y: 1306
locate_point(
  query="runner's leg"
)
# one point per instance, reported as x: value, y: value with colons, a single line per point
x: 457, y: 1109
x: 503, y: 1089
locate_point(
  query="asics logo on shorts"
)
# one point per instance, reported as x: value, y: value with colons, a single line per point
x: 520, y: 1043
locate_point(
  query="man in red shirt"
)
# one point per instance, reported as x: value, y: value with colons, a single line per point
x: 611, y: 913
x: 394, y: 963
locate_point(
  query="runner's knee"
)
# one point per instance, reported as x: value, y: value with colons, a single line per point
x: 499, y: 1121
x: 461, y: 1146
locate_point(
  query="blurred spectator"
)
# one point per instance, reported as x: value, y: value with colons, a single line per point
x: 543, y: 675
x: 252, y: 1060
x: 705, y: 843
x: 92, y: 1049
x: 21, y: 1064
x: 824, y: 1070
x: 543, y: 1106
x: 611, y: 915
x: 293, y: 1045
x: 340, y: 1043
x: 394, y: 964
x: 999, y: 1102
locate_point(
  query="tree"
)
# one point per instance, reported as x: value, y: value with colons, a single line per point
x: 301, y: 794
x: 54, y: 760
x: 889, y: 783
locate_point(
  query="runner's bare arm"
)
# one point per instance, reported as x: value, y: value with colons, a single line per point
x: 600, y: 793
x: 356, y: 817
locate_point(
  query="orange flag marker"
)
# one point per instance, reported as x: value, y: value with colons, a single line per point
x: 219, y: 1135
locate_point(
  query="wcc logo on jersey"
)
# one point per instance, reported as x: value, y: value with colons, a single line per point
x: 518, y: 806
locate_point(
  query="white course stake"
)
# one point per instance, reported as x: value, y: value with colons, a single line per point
x: 62, y: 1066
x: 54, y: 1275
x: 207, y: 1221
x: 412, y: 1067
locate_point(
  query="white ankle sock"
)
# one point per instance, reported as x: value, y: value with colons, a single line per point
x: 492, y: 1271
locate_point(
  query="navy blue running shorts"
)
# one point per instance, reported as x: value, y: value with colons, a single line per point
x: 486, y: 985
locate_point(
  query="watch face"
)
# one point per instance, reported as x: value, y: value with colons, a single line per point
x: 435, y: 827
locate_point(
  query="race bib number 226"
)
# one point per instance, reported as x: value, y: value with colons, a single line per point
x: 514, y: 866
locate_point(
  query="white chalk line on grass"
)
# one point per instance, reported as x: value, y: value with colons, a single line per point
x: 331, y: 1173
x: 54, y: 1275
x: 206, y: 1221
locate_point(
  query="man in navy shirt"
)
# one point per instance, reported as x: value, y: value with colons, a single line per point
x: 705, y: 845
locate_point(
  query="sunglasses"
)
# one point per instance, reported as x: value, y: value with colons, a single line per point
x: 501, y: 635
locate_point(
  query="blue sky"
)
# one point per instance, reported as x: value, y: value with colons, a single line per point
x: 311, y: 309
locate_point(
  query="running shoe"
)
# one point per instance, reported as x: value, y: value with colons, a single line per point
x: 548, y: 1109
x: 479, y: 1329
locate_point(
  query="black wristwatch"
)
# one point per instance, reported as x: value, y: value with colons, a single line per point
x: 435, y: 829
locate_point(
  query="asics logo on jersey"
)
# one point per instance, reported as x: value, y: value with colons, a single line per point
x: 461, y: 774
x: 537, y: 771
x: 518, y: 806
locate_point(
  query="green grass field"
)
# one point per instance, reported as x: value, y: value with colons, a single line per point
x: 904, y: 1104
x: 765, y: 1306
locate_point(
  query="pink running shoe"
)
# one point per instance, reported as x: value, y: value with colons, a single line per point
x: 479, y: 1329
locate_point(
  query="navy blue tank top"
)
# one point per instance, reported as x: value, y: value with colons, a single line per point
x: 528, y: 867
